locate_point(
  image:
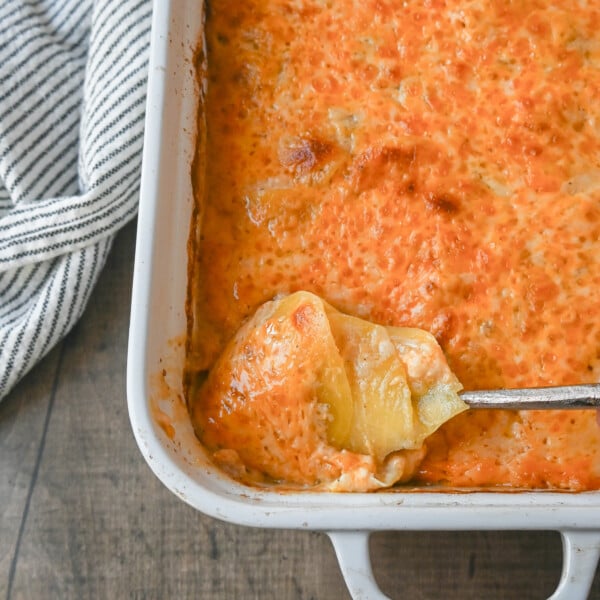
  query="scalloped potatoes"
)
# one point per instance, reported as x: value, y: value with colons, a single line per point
x: 430, y: 165
x: 307, y: 395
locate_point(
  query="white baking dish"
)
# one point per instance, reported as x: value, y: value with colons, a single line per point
x: 158, y: 328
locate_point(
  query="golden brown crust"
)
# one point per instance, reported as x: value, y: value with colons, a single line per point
x: 433, y: 167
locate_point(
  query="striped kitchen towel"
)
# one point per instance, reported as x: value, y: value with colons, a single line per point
x: 72, y: 97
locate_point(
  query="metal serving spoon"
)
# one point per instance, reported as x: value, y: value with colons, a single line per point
x: 555, y: 397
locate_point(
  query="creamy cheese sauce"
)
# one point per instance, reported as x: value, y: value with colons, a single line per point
x: 426, y: 164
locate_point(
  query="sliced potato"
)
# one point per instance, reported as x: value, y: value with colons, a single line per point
x: 433, y: 385
x: 402, y: 387
x: 383, y: 412
x: 311, y: 330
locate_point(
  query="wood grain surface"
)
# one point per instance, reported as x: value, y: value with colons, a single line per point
x: 83, y: 517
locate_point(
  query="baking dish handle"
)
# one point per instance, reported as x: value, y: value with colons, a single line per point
x: 581, y: 550
x: 352, y: 551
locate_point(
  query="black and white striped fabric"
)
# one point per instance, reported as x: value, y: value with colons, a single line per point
x: 72, y: 97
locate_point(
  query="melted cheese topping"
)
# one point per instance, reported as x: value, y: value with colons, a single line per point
x: 427, y: 164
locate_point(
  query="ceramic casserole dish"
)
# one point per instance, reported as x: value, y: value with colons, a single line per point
x: 156, y: 355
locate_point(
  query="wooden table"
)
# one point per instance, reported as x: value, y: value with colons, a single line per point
x: 82, y: 516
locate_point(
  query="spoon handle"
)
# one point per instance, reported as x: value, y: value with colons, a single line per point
x: 555, y: 397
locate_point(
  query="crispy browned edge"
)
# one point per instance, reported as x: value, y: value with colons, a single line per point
x: 191, y: 376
